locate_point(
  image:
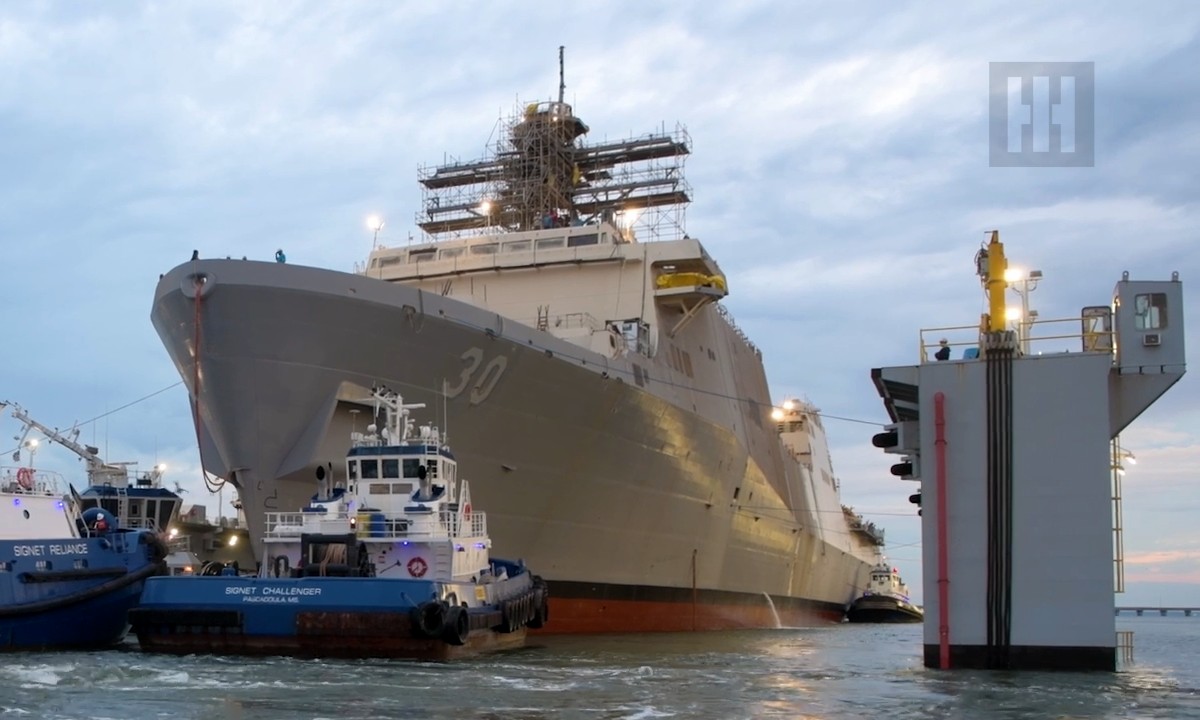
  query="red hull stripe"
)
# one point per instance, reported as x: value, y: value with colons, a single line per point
x: 591, y: 608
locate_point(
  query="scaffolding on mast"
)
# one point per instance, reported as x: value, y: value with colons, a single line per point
x: 540, y: 174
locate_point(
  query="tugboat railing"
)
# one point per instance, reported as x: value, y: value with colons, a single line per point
x: 443, y: 524
x: 1056, y: 335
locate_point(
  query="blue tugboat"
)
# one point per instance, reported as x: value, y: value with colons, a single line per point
x: 67, y: 578
x: 394, y: 565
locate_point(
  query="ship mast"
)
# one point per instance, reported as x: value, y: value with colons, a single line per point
x: 562, y: 77
x: 540, y: 175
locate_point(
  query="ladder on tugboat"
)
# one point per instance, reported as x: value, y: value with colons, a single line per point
x: 1117, y: 469
x: 122, y: 506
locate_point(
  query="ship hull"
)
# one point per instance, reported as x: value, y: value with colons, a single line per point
x: 329, y: 617
x: 589, y: 476
x: 883, y: 609
x: 582, y: 608
x: 79, y: 599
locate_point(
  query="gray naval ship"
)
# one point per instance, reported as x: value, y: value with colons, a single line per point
x: 610, y: 415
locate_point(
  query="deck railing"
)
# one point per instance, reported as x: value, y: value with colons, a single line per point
x: 377, y: 525
x: 1071, y: 334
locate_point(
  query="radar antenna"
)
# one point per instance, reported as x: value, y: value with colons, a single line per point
x: 562, y: 82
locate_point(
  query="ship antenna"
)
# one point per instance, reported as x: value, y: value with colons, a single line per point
x: 445, y: 416
x: 562, y: 82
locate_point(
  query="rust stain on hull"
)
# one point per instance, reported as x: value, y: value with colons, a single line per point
x: 594, y: 616
x: 319, y: 635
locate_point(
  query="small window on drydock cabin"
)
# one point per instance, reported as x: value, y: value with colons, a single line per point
x: 550, y: 243
x: 391, y: 468
x: 485, y: 249
x: 577, y: 240
x: 517, y: 246
x: 415, y: 256
x: 410, y: 467
x: 1150, y: 311
x: 450, y: 253
x: 352, y: 470
x: 370, y: 469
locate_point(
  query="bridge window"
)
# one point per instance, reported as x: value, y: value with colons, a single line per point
x: 352, y: 469
x: 577, y: 240
x: 410, y: 467
x: 391, y: 468
x: 1150, y: 311
x: 370, y: 469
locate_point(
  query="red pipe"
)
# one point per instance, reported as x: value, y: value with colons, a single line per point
x: 943, y: 561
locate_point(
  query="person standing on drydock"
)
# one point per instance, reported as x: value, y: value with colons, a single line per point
x: 943, y: 352
x: 279, y: 256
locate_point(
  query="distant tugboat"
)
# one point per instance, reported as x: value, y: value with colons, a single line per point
x: 885, y: 601
x: 395, y: 565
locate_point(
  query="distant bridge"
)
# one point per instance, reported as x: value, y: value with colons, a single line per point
x: 1164, y: 611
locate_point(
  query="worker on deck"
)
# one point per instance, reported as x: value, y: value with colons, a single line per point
x: 943, y: 352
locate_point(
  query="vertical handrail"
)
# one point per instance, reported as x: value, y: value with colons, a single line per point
x: 939, y: 410
x: 1118, y: 520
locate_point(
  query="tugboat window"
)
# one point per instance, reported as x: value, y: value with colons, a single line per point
x: 370, y: 469
x: 433, y: 464
x: 391, y: 468
x: 1150, y: 311
x: 410, y: 467
x: 352, y: 470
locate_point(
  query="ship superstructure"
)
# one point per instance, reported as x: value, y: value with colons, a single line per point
x: 615, y: 420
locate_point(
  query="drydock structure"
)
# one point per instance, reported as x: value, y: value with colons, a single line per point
x: 609, y: 413
x: 1011, y: 445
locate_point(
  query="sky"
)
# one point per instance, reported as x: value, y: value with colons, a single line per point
x: 840, y: 176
